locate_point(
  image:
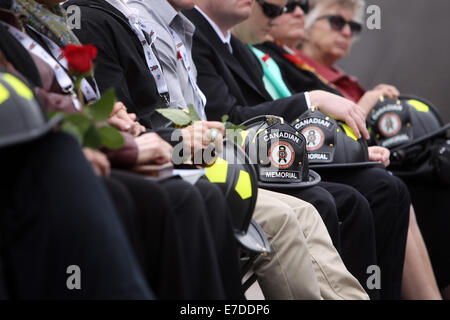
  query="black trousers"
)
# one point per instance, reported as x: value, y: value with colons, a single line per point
x: 55, y: 213
x: 209, y: 246
x: 220, y: 220
x: 182, y: 235
x: 348, y: 218
x: 432, y: 207
x: 144, y: 210
x: 390, y: 203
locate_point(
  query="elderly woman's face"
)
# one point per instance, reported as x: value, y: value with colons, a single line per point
x: 258, y: 25
x: 289, y: 27
x: 332, y: 43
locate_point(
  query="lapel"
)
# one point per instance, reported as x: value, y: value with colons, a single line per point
x: 240, y: 62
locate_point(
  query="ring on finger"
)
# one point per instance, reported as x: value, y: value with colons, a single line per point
x: 213, y: 133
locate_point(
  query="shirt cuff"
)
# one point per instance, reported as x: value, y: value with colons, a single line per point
x: 308, y: 101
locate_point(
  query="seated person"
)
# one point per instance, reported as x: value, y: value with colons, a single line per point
x: 279, y: 215
x: 192, y: 228
x: 57, y: 220
x: 231, y: 78
x: 283, y: 26
x: 300, y: 70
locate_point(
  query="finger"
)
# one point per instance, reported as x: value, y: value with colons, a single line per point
x: 119, y: 124
x: 360, y: 113
x: 361, y: 124
x: 101, y: 161
x: 206, y: 136
x: 394, y: 92
x: 215, y: 124
x: 352, y: 124
x: 118, y: 106
x: 97, y: 170
x: 136, y: 129
x: 122, y: 114
x: 165, y: 154
x: 219, y: 142
x: 389, y: 93
x: 364, y: 131
x: 106, y: 166
x: 132, y: 116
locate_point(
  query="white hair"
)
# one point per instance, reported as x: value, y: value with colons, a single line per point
x: 317, y: 7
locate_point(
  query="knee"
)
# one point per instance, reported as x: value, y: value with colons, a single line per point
x: 320, y: 199
x: 273, y: 215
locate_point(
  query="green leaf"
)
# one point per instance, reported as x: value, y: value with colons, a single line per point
x: 92, y: 138
x: 225, y: 118
x: 193, y: 114
x: 110, y: 137
x: 102, y: 108
x: 177, y: 116
x: 81, y: 121
x: 51, y: 114
x: 73, y: 130
x: 231, y: 126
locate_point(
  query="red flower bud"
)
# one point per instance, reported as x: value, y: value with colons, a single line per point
x: 79, y: 57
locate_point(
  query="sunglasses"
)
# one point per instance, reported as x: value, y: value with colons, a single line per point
x: 270, y: 10
x: 338, y: 23
x: 290, y: 6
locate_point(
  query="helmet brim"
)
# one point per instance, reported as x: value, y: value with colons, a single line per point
x: 30, y: 135
x: 423, y: 138
x: 313, y: 179
x: 254, y: 239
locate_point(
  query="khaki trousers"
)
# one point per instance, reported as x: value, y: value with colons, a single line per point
x: 303, y: 263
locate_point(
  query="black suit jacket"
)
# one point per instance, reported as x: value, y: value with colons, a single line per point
x: 232, y: 83
x: 120, y: 62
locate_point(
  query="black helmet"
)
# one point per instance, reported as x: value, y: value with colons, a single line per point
x: 21, y: 118
x: 404, y: 122
x: 238, y: 180
x: 331, y: 143
x: 278, y: 152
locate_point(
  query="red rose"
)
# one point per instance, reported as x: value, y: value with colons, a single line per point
x: 80, y: 57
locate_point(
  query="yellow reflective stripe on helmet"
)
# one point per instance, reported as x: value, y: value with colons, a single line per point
x: 20, y: 87
x: 217, y: 173
x: 257, y: 132
x: 349, y: 132
x: 4, y: 93
x: 419, y: 106
x: 244, y: 134
x: 244, y: 185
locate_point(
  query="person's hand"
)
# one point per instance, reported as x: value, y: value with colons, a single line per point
x: 152, y: 148
x: 379, y: 154
x: 387, y: 90
x: 371, y: 97
x: 98, y: 161
x: 201, y: 134
x: 341, y: 109
x: 125, y: 121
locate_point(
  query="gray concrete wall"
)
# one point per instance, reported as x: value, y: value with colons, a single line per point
x: 411, y: 51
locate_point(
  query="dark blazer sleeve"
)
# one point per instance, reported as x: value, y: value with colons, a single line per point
x: 97, y: 30
x: 100, y: 29
x: 224, y: 94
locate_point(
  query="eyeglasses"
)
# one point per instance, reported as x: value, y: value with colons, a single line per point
x: 291, y: 5
x: 338, y: 23
x: 270, y: 10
